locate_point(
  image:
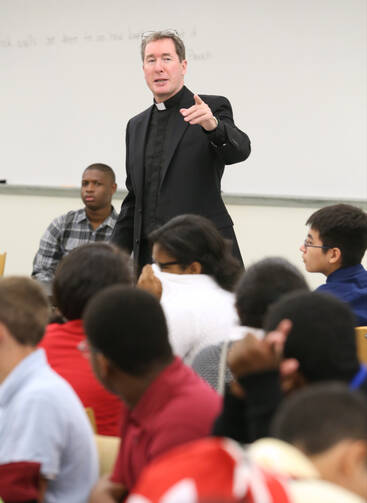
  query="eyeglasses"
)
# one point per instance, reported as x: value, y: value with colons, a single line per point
x: 307, y: 244
x: 162, y: 265
x: 168, y: 32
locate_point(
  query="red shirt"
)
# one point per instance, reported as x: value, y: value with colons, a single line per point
x: 62, y: 346
x: 211, y: 469
x: 176, y: 408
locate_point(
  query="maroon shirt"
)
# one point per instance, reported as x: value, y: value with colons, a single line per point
x: 176, y: 408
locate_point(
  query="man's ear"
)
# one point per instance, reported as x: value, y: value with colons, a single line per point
x: 335, y: 255
x: 114, y: 188
x: 4, y: 332
x: 194, y: 268
x: 291, y: 381
x: 105, y: 368
x: 354, y: 456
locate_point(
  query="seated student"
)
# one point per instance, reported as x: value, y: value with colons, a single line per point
x: 79, y: 276
x: 194, y: 276
x: 317, y: 344
x: 166, y: 403
x: 94, y: 222
x: 335, y: 245
x: 210, y: 470
x: 319, y: 431
x: 322, y: 458
x: 41, y: 418
x: 262, y: 284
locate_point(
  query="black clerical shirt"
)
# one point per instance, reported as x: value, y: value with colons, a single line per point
x: 155, y: 155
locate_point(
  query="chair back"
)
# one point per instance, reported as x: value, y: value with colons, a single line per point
x: 2, y: 263
x: 361, y: 339
x: 92, y: 418
x: 107, y: 448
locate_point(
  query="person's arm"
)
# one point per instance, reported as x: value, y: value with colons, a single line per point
x: 123, y: 233
x: 42, y: 489
x: 148, y: 281
x: 49, y: 253
x: 255, y: 366
x: 231, y: 422
x: 106, y: 491
x: 230, y: 143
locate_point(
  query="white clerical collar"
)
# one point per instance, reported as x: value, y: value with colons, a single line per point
x: 160, y: 106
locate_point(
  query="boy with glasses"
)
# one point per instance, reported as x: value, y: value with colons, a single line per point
x: 335, y: 245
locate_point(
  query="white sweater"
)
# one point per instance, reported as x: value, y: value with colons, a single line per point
x: 198, y: 311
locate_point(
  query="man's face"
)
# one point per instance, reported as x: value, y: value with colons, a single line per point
x: 97, y: 189
x: 164, y: 72
x: 315, y: 259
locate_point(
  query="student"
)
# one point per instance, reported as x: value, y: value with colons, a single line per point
x: 166, y: 403
x: 94, y: 222
x: 317, y: 343
x: 80, y: 275
x: 41, y: 419
x: 194, y: 276
x: 335, y: 245
x: 262, y: 284
x: 320, y: 431
x: 321, y: 338
x: 321, y: 458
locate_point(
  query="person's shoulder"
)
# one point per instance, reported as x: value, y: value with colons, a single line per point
x: 139, y: 116
x: 212, y: 99
x: 192, y: 393
x: 67, y: 218
x: 323, y: 287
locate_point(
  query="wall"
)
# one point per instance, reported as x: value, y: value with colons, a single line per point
x: 294, y: 71
x: 263, y: 227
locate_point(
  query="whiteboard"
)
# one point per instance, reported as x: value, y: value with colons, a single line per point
x: 294, y: 71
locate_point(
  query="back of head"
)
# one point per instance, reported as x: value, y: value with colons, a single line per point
x: 84, y: 272
x: 262, y: 284
x: 192, y: 238
x: 103, y: 168
x: 320, y: 416
x: 127, y: 326
x: 342, y: 226
x: 322, y: 337
x: 24, y: 309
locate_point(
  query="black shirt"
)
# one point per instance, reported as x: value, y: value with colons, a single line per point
x: 155, y: 155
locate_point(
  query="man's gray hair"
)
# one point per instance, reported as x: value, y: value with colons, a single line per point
x: 152, y: 36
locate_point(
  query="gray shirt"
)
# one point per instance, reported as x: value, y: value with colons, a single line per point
x: 42, y: 420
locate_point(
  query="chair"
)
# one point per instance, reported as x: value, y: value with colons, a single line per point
x: 361, y: 339
x: 107, y: 448
x: 2, y: 263
x: 92, y: 418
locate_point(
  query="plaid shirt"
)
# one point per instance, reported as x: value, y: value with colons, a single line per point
x: 63, y: 235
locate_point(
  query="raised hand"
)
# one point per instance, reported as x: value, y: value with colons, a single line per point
x: 201, y: 114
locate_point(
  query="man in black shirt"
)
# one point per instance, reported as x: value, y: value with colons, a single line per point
x: 176, y: 151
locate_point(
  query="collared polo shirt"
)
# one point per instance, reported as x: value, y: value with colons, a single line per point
x: 177, y: 407
x: 42, y: 420
x: 350, y: 285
